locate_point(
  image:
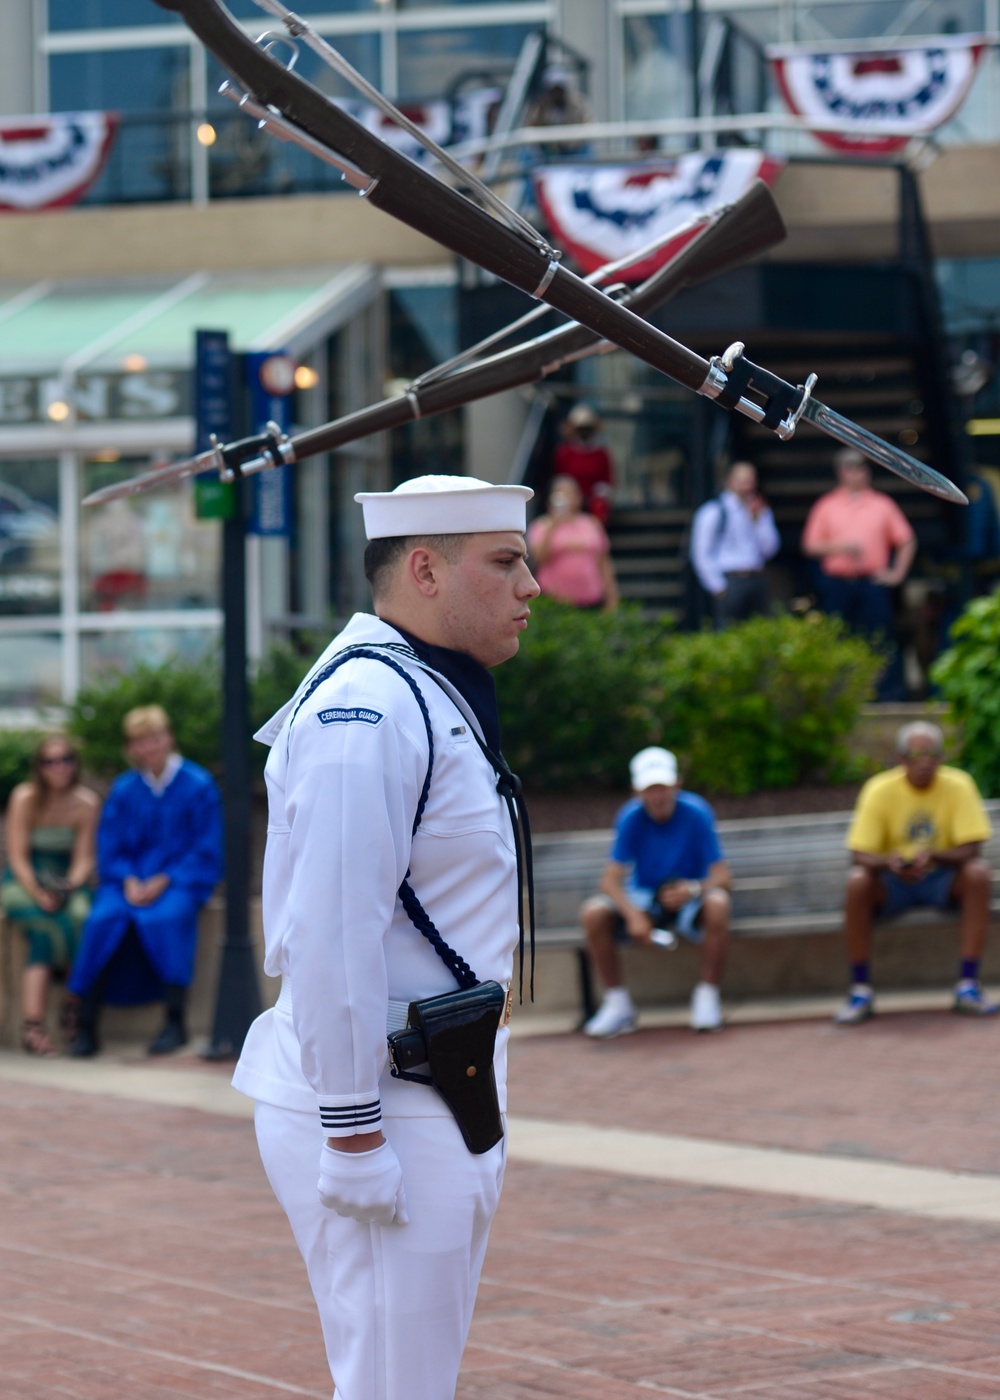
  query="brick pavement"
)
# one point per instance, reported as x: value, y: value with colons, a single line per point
x: 143, y: 1255
x: 914, y: 1087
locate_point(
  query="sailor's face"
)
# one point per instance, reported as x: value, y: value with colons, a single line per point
x: 486, y: 592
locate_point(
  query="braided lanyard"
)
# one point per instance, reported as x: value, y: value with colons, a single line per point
x: 508, y: 785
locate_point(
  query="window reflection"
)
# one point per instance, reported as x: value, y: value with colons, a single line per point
x: 246, y: 9
x: 431, y: 60
x: 125, y: 80
x: 147, y: 551
x: 362, y: 51
x: 106, y: 653
x: 657, y: 64
x: 103, y: 14
x: 30, y: 577
x: 102, y: 654
x: 30, y: 669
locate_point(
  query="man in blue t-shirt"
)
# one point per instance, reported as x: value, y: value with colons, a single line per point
x: 666, y: 876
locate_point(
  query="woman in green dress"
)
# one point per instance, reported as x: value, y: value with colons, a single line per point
x: 51, y: 821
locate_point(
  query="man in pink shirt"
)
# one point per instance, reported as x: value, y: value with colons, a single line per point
x: 864, y: 545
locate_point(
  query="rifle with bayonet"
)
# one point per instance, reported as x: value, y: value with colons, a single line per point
x: 495, y: 237
x: 719, y: 240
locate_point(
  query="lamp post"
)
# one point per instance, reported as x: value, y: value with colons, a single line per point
x: 220, y: 410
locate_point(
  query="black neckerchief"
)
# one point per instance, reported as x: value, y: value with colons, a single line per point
x: 472, y: 681
x: 476, y: 686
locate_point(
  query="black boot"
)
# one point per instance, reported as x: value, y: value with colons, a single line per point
x: 174, y: 1034
x: 85, y: 1042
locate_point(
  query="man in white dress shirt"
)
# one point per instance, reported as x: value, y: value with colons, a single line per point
x: 394, y: 1234
x: 732, y: 538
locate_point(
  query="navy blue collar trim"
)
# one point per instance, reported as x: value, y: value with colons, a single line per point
x: 472, y: 681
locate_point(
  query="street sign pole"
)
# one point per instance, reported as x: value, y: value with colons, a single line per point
x: 238, y: 996
x: 237, y: 1000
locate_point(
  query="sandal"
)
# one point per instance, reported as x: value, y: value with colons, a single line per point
x: 35, y: 1040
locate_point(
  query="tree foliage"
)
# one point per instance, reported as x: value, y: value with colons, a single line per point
x: 767, y: 703
x: 191, y: 694
x: 764, y: 704
x: 968, y: 674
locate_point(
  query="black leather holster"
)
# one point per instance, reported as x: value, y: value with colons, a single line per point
x: 455, y: 1036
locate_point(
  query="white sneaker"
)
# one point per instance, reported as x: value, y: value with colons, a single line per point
x: 706, y: 1008
x: 859, y: 1006
x: 616, y: 1015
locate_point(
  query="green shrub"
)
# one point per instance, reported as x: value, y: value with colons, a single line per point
x: 764, y: 704
x: 189, y: 691
x: 969, y: 677
x: 191, y: 694
x: 16, y: 749
x: 573, y: 704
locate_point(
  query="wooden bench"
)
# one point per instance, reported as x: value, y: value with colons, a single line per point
x: 138, y: 1023
x: 788, y: 879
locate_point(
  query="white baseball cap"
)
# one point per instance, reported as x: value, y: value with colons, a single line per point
x: 652, y: 766
x: 444, y: 505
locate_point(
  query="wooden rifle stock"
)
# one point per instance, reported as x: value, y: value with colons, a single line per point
x: 746, y: 228
x: 401, y: 188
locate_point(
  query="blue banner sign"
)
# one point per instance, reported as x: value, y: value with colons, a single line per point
x: 270, y: 381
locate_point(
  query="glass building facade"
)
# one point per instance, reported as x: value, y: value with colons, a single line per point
x: 95, y: 388
x: 85, y: 591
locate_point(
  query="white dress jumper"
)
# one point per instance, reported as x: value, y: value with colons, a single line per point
x: 344, y: 779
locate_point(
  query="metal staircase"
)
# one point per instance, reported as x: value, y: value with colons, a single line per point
x: 874, y: 379
x: 649, y: 551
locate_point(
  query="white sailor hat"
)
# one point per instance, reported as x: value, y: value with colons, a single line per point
x: 444, y: 505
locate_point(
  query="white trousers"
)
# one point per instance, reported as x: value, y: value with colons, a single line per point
x: 395, y: 1301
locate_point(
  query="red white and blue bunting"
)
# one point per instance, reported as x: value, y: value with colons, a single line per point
x: 602, y: 213
x: 48, y: 161
x: 894, y: 94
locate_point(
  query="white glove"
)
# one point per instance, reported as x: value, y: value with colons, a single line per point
x: 366, y: 1186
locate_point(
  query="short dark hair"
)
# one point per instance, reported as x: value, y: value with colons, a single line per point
x: 850, y: 457
x: 382, y: 555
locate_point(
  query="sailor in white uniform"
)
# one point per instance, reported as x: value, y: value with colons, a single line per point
x: 394, y: 1233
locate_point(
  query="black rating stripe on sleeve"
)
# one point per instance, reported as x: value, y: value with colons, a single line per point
x: 358, y: 1115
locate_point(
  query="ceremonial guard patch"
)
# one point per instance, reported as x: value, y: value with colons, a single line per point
x: 350, y: 714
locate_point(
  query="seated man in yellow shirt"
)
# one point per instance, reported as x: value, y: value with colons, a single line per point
x: 915, y: 840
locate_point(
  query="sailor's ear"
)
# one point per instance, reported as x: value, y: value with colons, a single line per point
x: 424, y: 567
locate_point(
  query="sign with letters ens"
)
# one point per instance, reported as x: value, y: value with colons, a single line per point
x: 97, y: 398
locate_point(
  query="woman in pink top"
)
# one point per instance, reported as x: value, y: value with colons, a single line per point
x: 570, y: 550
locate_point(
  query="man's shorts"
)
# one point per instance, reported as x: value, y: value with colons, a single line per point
x: 934, y: 890
x: 685, y: 921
